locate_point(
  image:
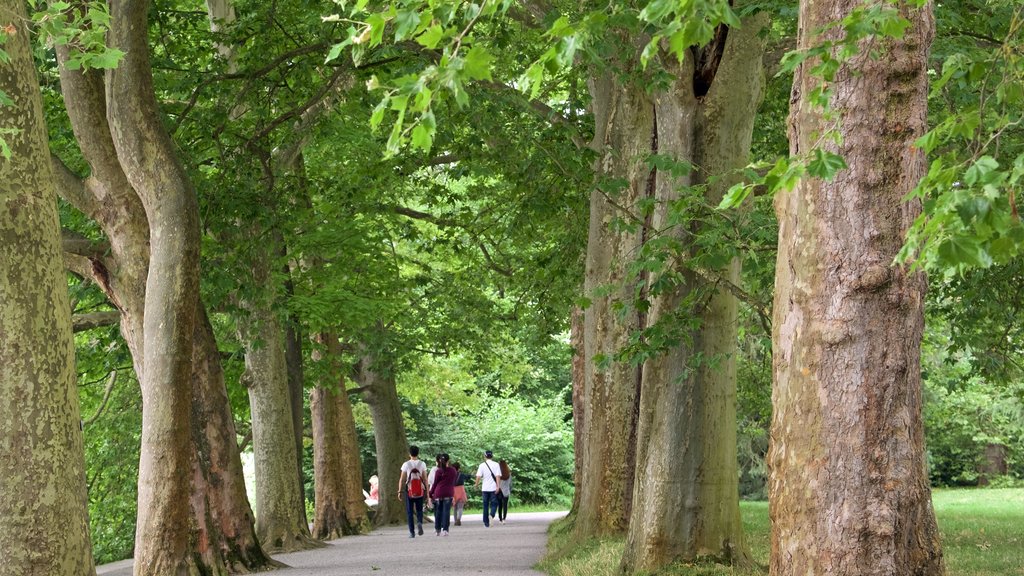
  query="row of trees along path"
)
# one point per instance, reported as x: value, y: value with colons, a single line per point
x: 655, y: 441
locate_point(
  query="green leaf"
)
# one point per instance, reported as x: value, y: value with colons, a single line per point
x: 735, y: 196
x: 477, y: 63
x: 963, y: 252
x: 825, y: 165
x: 431, y: 37
x: 893, y: 26
x: 980, y: 170
x: 406, y: 21
x: 423, y: 132
x: 109, y: 59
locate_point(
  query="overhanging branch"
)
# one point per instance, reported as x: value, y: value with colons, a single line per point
x: 83, y: 322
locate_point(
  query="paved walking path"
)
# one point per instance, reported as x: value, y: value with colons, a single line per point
x: 509, y: 549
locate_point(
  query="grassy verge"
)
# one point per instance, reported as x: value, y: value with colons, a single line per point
x: 982, y: 535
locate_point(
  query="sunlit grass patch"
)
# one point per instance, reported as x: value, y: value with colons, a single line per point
x: 982, y: 535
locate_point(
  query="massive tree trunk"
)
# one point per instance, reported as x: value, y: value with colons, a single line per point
x: 44, y: 527
x: 377, y: 381
x: 340, y: 507
x: 847, y: 486
x: 221, y: 517
x: 148, y: 158
x: 224, y: 535
x: 622, y: 137
x: 686, y: 497
x: 280, y: 512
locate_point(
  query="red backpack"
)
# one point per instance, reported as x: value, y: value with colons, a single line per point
x: 415, y: 486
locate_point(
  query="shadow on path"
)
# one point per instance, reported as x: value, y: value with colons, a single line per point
x: 508, y: 549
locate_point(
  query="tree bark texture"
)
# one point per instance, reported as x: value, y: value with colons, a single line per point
x: 848, y: 490
x: 578, y: 402
x: 686, y: 496
x: 381, y: 395
x: 149, y: 160
x: 108, y: 198
x: 223, y: 536
x: 280, y: 513
x: 340, y: 506
x: 610, y: 388
x: 296, y: 393
x: 44, y: 526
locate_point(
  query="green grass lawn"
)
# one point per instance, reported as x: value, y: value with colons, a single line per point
x: 982, y: 535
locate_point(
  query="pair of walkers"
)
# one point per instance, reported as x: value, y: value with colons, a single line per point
x: 414, y: 485
x: 495, y: 481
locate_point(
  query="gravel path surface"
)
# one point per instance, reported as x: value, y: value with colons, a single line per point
x: 509, y: 549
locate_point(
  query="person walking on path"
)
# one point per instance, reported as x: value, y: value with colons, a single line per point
x: 459, y: 502
x: 410, y: 485
x: 442, y: 491
x: 490, y: 473
x: 504, y: 490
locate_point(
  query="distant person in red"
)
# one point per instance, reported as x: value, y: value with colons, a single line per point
x: 442, y: 492
x: 459, y: 503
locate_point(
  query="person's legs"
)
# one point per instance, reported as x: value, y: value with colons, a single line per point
x: 487, y: 497
x: 459, y: 506
x: 502, y: 506
x: 437, y: 516
x: 419, y: 514
x: 444, y: 512
x: 494, y: 502
x: 408, y: 514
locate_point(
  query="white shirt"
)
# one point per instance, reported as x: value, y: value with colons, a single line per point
x: 484, y: 472
x: 408, y: 467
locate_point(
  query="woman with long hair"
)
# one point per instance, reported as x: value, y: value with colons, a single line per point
x: 504, y: 491
x: 442, y: 490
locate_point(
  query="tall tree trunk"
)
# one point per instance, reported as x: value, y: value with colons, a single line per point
x: 221, y: 516
x: 622, y: 137
x: 340, y: 507
x: 686, y: 498
x: 296, y: 384
x: 224, y: 535
x: 847, y: 486
x: 44, y: 526
x: 377, y: 381
x: 147, y: 156
x: 107, y: 197
x: 579, y: 403
x: 280, y: 514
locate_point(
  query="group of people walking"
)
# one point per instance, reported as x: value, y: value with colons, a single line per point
x: 445, y: 485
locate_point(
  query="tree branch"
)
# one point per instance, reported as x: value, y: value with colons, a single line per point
x: 545, y: 112
x: 72, y: 188
x: 298, y: 111
x: 358, y: 390
x: 106, y: 398
x: 83, y: 322
x: 75, y: 243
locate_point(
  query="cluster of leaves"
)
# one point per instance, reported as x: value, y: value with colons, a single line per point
x: 977, y: 155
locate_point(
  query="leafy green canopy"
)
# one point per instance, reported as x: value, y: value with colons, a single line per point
x: 975, y: 146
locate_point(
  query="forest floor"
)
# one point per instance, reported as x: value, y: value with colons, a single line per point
x: 510, y: 549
